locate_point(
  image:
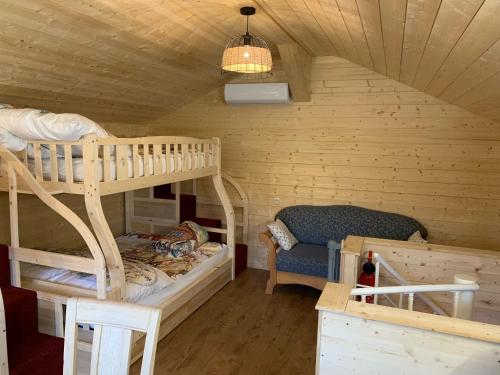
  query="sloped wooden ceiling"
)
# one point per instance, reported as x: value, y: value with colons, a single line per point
x: 135, y: 60
x: 447, y: 48
x: 116, y: 60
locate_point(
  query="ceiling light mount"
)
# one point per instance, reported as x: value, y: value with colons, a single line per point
x: 247, y: 11
x: 247, y: 54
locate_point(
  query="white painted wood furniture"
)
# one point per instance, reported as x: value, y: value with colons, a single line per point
x: 137, y: 163
x: 114, y: 324
x: 356, y: 337
x: 4, y: 362
x: 429, y: 263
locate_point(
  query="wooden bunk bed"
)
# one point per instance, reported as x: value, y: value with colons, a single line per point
x: 108, y: 166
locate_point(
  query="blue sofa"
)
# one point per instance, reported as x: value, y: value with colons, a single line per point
x: 313, y: 226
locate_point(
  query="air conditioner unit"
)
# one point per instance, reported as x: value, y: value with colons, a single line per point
x: 257, y: 93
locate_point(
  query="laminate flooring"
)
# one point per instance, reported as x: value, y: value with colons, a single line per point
x: 243, y: 331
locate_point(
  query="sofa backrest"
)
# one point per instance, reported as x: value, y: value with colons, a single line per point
x: 319, y: 224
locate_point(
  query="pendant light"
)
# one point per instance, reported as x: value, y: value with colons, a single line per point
x: 247, y: 54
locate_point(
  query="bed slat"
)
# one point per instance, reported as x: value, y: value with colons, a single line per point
x: 157, y: 159
x: 185, y: 156
x: 147, y: 168
x: 38, y: 161
x: 135, y: 160
x: 68, y: 163
x: 54, y: 172
x: 122, y: 162
x: 106, y: 160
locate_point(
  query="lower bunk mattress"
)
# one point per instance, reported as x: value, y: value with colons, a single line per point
x: 151, y: 276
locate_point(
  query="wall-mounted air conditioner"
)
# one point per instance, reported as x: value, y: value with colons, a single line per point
x: 257, y: 93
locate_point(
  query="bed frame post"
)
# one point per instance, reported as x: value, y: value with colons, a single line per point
x: 14, y: 224
x: 4, y: 361
x: 97, y: 218
x: 226, y: 203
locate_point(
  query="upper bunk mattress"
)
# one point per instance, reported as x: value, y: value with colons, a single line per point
x: 147, y: 271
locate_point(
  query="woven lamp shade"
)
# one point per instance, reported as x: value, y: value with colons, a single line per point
x: 247, y: 54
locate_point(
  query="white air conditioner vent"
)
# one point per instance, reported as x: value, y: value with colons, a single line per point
x: 257, y: 93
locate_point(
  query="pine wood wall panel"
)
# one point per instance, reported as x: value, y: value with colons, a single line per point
x: 363, y: 139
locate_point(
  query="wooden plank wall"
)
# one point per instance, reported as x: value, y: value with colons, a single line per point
x: 364, y: 140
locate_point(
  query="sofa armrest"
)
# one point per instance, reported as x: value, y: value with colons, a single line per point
x: 267, y: 240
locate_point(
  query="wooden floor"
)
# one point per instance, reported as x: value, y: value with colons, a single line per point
x: 241, y: 330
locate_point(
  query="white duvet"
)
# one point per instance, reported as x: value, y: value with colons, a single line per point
x: 19, y: 125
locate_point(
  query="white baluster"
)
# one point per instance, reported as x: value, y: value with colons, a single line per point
x: 377, y: 278
x: 410, y: 301
x: 456, y: 301
x: 463, y: 302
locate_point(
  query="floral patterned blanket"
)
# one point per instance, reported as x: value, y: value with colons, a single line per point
x: 144, y: 266
x: 135, y: 251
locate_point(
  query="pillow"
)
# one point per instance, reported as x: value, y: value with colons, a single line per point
x: 281, y: 233
x: 200, y: 232
x: 179, y: 242
x: 417, y: 237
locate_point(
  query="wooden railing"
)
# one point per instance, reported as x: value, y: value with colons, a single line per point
x: 118, y: 164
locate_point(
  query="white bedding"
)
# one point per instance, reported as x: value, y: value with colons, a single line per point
x: 162, y: 286
x: 183, y: 281
x: 19, y: 125
x: 78, y: 169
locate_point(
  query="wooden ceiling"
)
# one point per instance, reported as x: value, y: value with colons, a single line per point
x: 136, y: 60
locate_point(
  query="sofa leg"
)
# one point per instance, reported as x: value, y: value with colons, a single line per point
x: 270, y: 286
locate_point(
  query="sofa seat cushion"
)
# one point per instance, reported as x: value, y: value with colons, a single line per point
x: 306, y: 259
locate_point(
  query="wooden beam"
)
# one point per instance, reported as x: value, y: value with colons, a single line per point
x: 297, y: 63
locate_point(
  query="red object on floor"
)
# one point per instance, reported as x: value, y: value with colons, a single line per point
x: 29, y: 352
x: 240, y: 258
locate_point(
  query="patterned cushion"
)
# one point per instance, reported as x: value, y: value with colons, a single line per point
x: 201, y: 233
x: 179, y: 242
x: 417, y: 237
x: 318, y: 224
x: 282, y: 235
x: 304, y: 258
